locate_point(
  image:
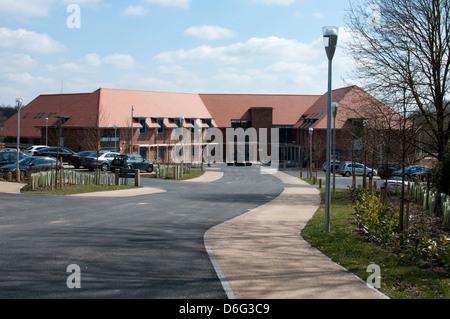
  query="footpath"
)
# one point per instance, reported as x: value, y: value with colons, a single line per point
x: 261, y: 255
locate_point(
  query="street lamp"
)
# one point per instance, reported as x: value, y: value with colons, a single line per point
x: 311, y: 131
x: 334, y: 108
x: 19, y: 106
x: 46, y: 131
x: 132, y: 133
x: 115, y: 138
x: 330, y: 37
x: 182, y: 147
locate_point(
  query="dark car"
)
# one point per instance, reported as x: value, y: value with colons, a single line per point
x: 10, y: 157
x: 76, y: 159
x: 31, y: 164
x: 388, y: 170
x: 63, y: 152
x: 131, y: 162
x: 104, y: 160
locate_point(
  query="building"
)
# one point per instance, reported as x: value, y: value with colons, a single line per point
x: 105, y: 118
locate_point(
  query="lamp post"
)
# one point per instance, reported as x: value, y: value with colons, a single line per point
x: 115, y: 138
x: 132, y: 133
x: 182, y: 147
x: 46, y: 131
x: 334, y: 108
x: 19, y: 106
x: 311, y: 131
x: 330, y: 37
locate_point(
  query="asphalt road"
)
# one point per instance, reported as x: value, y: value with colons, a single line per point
x: 139, y: 247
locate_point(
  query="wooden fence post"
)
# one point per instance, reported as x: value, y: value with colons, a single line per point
x: 137, y: 177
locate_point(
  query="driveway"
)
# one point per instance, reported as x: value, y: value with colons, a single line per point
x: 148, y: 246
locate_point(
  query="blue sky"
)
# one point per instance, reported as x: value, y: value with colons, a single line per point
x: 202, y: 46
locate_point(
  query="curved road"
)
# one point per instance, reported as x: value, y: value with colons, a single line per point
x: 148, y: 246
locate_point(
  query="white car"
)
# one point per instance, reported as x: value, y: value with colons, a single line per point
x: 394, y: 183
x: 31, y: 149
x: 104, y: 161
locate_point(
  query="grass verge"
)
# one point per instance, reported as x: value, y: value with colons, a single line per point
x: 80, y: 189
x: 400, y: 277
x: 191, y: 175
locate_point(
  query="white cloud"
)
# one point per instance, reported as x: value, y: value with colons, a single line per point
x: 171, y: 3
x: 274, y: 2
x: 24, y: 40
x: 255, y: 48
x: 92, y: 59
x: 210, y: 32
x: 26, y: 8
x: 13, y: 62
x: 318, y: 15
x: 138, y: 11
x: 123, y: 61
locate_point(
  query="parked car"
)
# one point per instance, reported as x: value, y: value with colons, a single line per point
x: 29, y: 151
x: 394, y: 183
x: 412, y: 171
x: 131, y: 162
x: 63, y: 152
x: 387, y: 170
x: 76, y: 159
x: 333, y: 167
x: 347, y: 169
x: 31, y: 164
x: 10, y: 157
x: 104, y: 160
x: 422, y: 173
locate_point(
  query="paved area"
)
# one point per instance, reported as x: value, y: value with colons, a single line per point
x: 10, y: 187
x: 261, y: 255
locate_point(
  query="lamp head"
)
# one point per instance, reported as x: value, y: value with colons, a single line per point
x: 19, y: 102
x: 330, y: 37
x: 334, y: 108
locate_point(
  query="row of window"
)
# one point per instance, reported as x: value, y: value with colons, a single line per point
x: 161, y: 125
x: 38, y: 116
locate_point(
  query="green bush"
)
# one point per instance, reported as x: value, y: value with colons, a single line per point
x: 379, y: 224
x: 376, y: 222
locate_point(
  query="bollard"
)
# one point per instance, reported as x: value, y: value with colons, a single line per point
x: 137, y: 178
x: 117, y: 177
x: 320, y: 183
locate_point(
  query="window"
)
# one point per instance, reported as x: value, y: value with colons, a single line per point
x: 241, y: 123
x: 160, y: 129
x: 143, y: 129
x: 26, y: 115
x: 161, y: 152
x: 192, y: 121
x: 37, y: 115
x: 42, y: 114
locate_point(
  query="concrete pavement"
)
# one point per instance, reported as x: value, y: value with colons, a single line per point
x: 261, y: 254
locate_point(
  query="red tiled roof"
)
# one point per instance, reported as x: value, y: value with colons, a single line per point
x: 34, y: 113
x: 287, y: 109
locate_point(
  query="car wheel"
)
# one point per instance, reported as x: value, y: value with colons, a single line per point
x: 348, y: 174
x: 369, y: 175
x: 150, y: 169
x: 76, y: 166
x: 129, y: 167
x: 104, y: 167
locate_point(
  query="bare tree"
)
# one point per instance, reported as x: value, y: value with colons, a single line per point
x: 402, y: 47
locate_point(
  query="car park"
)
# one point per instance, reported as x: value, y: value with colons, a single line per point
x: 131, y: 162
x: 31, y: 164
x: 349, y: 168
x: 10, y: 157
x: 29, y: 151
x: 76, y: 159
x: 56, y: 151
x: 103, y: 161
